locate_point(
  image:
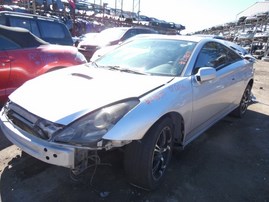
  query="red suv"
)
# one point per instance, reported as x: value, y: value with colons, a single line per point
x: 24, y: 56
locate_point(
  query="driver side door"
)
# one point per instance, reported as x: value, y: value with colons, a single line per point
x: 212, y: 99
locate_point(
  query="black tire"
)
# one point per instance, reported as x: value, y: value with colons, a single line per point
x: 241, y: 110
x: 145, y: 161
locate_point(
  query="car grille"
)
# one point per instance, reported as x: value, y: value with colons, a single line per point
x: 25, y: 120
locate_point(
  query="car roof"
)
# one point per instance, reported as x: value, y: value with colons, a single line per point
x: 28, y: 15
x: 21, y: 36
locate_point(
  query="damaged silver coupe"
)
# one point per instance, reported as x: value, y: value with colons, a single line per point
x: 145, y: 96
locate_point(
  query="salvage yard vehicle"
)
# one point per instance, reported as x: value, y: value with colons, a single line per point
x: 24, y: 56
x: 110, y: 37
x: 145, y: 97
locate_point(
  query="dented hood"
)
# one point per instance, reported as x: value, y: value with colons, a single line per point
x: 65, y: 95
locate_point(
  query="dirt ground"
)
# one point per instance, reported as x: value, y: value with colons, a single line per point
x: 229, y: 162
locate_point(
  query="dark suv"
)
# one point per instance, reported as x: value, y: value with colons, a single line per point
x: 48, y: 29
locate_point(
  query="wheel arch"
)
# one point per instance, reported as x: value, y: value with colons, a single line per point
x: 251, y: 82
x: 178, y: 123
x: 145, y: 161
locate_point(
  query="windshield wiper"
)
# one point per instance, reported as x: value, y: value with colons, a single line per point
x: 133, y: 71
x: 113, y: 67
x: 123, y: 69
x: 110, y: 67
x: 91, y: 63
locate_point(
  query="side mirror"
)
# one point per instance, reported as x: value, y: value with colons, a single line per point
x: 249, y: 57
x: 206, y: 74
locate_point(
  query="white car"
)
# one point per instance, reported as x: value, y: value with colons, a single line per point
x: 144, y: 96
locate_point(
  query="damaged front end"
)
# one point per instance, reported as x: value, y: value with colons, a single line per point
x: 75, y: 145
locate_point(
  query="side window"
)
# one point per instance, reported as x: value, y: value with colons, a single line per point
x: 20, y: 22
x: 2, y: 20
x: 51, y: 30
x: 26, y: 23
x: 34, y: 28
x: 7, y: 44
x: 233, y: 56
x: 215, y: 55
x: 206, y: 55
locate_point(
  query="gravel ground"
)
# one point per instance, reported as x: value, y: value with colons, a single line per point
x: 229, y: 162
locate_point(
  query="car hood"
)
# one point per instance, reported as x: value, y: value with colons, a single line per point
x: 96, y: 42
x: 65, y: 95
x: 99, y: 41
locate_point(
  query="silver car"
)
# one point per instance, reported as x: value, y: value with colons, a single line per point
x: 145, y: 97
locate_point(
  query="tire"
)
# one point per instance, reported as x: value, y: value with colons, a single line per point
x: 145, y: 161
x: 241, y: 110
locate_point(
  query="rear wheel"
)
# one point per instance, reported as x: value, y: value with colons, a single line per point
x: 241, y: 110
x: 146, y: 161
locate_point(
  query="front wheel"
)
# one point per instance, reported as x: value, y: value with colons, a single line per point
x: 145, y: 161
x: 241, y: 110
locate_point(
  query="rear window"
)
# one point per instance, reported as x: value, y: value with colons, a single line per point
x: 51, y: 30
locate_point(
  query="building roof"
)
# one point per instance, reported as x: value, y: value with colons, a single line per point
x: 258, y: 7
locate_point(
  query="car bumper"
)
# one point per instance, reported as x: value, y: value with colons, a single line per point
x: 43, y: 150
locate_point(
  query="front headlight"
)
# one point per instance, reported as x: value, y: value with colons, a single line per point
x: 93, y: 126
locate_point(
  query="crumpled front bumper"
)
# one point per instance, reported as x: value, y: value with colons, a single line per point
x: 49, y: 152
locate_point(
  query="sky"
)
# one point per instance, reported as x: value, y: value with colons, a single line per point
x: 195, y: 15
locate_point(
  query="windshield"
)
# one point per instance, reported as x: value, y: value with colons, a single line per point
x: 166, y: 57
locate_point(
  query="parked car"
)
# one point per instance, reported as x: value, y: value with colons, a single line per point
x: 145, y: 97
x: 49, y: 29
x: 85, y: 37
x: 109, y: 37
x: 24, y: 56
x: 259, y: 54
x: 103, y: 50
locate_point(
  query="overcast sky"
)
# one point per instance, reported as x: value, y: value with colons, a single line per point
x: 195, y: 15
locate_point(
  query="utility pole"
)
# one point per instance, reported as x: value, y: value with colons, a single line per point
x: 136, y: 8
x: 138, y: 12
x: 121, y: 8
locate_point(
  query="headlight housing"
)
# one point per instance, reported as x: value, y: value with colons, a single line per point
x: 93, y: 126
